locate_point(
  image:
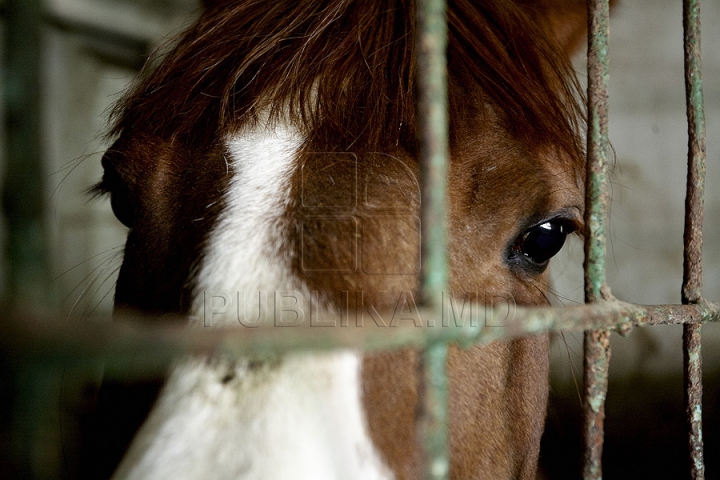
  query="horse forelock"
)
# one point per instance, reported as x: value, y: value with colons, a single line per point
x: 343, y: 70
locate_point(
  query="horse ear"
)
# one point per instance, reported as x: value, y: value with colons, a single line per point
x: 565, y: 19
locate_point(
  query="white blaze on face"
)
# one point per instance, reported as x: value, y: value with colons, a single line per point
x: 298, y: 418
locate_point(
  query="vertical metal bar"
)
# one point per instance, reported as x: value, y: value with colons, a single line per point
x: 26, y: 251
x: 692, y: 274
x: 432, y: 121
x: 433, y: 419
x: 597, y: 346
x: 595, y: 383
x: 23, y: 192
x: 692, y: 361
x: 433, y: 144
x: 692, y: 265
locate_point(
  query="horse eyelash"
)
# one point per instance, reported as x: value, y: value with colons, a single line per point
x: 98, y: 190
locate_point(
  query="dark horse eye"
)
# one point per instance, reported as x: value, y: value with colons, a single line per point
x: 119, y: 194
x: 540, y: 243
x: 121, y: 206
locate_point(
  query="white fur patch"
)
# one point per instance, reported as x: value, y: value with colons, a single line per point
x: 245, y: 247
x: 299, y: 418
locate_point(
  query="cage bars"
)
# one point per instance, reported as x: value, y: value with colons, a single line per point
x: 596, y: 342
x: 692, y: 253
x: 432, y: 115
x: 131, y: 343
x: 23, y: 192
x: 26, y: 254
x: 132, y: 348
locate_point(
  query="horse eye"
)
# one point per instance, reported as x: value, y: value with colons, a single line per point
x: 121, y: 206
x: 120, y: 201
x: 542, y: 242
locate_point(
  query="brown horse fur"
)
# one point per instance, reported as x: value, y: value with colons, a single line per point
x: 343, y: 72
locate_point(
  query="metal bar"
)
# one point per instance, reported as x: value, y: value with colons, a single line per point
x: 692, y: 361
x: 26, y: 249
x: 692, y: 271
x: 23, y: 190
x: 692, y: 265
x: 596, y: 192
x: 597, y: 345
x: 595, y: 376
x: 432, y: 121
x: 433, y: 416
x: 134, y: 343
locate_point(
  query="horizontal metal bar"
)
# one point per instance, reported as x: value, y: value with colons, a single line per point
x: 136, y: 343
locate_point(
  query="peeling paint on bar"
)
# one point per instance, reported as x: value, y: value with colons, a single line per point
x: 597, y: 345
x: 692, y: 360
x: 597, y: 359
x: 596, y: 195
x: 433, y: 156
x: 692, y: 265
x: 130, y: 344
x: 692, y: 275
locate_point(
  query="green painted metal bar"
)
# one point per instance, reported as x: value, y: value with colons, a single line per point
x: 692, y: 272
x: 433, y: 414
x: 596, y: 193
x: 692, y: 361
x: 597, y: 345
x: 432, y: 118
x: 433, y: 145
x: 692, y: 265
x: 595, y: 382
x: 26, y: 255
x: 23, y: 190
x: 138, y: 343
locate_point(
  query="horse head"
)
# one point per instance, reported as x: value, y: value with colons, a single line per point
x: 269, y: 162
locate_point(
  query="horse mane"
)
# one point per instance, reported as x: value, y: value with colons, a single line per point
x: 345, y: 70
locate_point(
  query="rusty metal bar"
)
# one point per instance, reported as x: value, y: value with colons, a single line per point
x: 597, y: 345
x: 134, y: 343
x: 692, y: 271
x: 596, y: 191
x: 596, y: 361
x: 692, y: 361
x: 432, y: 121
x: 692, y: 265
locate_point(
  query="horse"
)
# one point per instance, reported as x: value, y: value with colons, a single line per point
x: 269, y: 158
